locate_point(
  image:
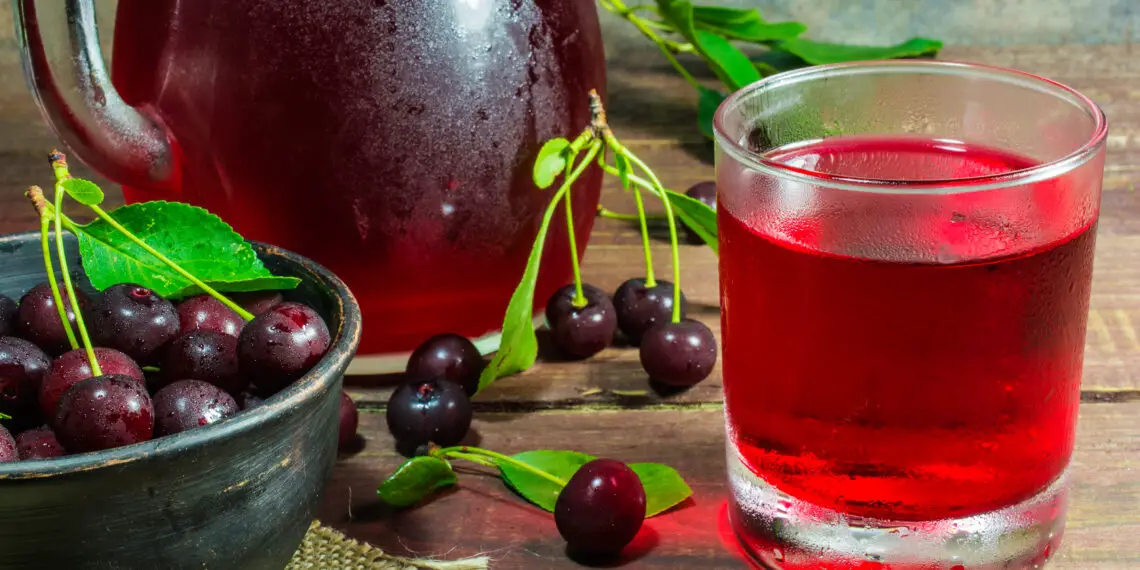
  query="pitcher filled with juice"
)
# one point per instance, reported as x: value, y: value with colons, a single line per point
x: 391, y: 142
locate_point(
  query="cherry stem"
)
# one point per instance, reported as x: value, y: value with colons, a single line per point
x: 579, y: 300
x: 650, y: 277
x: 605, y: 212
x: 499, y: 458
x: 61, y: 174
x: 244, y: 314
x: 37, y: 197
x: 667, y: 47
x: 676, y: 250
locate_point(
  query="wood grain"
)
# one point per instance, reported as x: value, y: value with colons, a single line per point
x: 481, y: 516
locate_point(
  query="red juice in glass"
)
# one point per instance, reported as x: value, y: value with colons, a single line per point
x: 903, y: 318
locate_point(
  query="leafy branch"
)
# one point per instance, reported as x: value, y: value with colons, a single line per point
x: 709, y: 32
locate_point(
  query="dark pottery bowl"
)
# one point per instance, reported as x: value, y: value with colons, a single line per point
x: 237, y: 494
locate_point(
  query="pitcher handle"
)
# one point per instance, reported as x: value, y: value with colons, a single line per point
x: 59, y: 44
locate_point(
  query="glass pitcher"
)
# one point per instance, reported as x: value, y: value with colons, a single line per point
x: 389, y: 140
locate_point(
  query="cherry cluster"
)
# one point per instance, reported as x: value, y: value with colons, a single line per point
x: 161, y: 368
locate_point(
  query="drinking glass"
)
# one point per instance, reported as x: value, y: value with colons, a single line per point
x: 905, y: 262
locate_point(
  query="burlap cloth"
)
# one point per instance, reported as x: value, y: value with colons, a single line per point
x: 327, y: 549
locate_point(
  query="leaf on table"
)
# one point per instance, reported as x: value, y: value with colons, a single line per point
x: 707, y: 104
x: 744, y: 25
x: 414, y: 480
x: 542, y: 492
x: 697, y: 215
x: 818, y: 53
x: 664, y: 487
x: 726, y: 60
x: 551, y: 162
x: 83, y: 191
x: 198, y: 241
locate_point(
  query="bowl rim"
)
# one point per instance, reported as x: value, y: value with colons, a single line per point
x: 315, y: 382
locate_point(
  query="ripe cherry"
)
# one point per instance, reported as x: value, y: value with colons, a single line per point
x: 678, y: 354
x: 204, y: 355
x: 38, y: 319
x: 601, y: 509
x: 189, y: 404
x: 258, y: 302
x: 429, y: 411
x: 581, y: 332
x: 7, y: 446
x: 562, y: 301
x: 38, y: 443
x: 22, y: 369
x: 204, y: 312
x: 9, y: 312
x: 640, y: 307
x: 104, y: 412
x: 73, y: 367
x: 450, y: 357
x: 282, y: 345
x: 133, y: 320
x: 705, y: 192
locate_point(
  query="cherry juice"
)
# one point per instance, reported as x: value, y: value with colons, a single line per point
x: 931, y: 374
x: 392, y: 142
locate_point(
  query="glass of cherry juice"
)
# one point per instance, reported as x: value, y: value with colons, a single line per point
x: 906, y: 252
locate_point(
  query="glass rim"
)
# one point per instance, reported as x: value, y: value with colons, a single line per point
x: 1035, y: 173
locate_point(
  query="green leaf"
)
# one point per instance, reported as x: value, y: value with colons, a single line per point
x: 745, y: 25
x: 518, y: 347
x: 83, y: 191
x: 727, y: 62
x: 707, y: 104
x: 541, y: 492
x: 417, y: 478
x: 551, y: 162
x: 695, y: 214
x: 198, y: 241
x: 664, y: 487
x: 817, y: 53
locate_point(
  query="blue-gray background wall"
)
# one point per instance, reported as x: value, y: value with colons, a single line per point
x: 962, y: 22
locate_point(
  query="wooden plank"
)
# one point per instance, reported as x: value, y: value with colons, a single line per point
x: 483, y: 517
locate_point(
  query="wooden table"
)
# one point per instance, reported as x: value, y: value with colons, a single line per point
x: 594, y: 406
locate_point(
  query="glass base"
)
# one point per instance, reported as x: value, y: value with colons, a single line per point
x: 783, y: 533
x: 397, y: 362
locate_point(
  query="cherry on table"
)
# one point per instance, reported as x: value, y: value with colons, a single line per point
x: 38, y: 443
x: 189, y: 404
x: 429, y: 411
x: 203, y: 312
x: 560, y: 303
x: 581, y: 332
x: 38, y: 318
x: 281, y: 345
x: 678, y: 354
x: 104, y: 412
x: 22, y: 369
x: 7, y: 446
x: 9, y: 312
x: 601, y: 509
x: 705, y: 192
x: 205, y: 355
x: 133, y: 320
x: 349, y: 420
x: 450, y: 357
x: 640, y: 307
x: 73, y: 367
